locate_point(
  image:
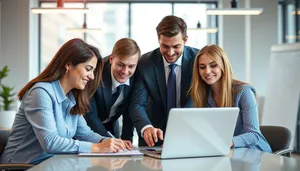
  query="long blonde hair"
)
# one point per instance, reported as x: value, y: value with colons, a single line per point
x: 199, y: 88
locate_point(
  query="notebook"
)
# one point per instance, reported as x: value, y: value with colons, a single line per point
x: 197, y: 132
x: 119, y: 154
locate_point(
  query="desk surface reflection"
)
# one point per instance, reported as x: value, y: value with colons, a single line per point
x: 237, y: 160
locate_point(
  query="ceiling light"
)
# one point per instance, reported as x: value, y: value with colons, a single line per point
x: 294, y: 12
x: 292, y: 37
x: 84, y: 29
x: 199, y: 28
x: 234, y: 10
x: 59, y: 9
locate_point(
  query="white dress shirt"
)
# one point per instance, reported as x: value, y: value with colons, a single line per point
x: 178, y: 83
x: 114, y: 106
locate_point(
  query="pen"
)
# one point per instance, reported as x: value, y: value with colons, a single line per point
x: 111, y: 135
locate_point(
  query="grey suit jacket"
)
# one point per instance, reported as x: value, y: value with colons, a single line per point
x: 149, y: 95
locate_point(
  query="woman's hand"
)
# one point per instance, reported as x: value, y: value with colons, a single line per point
x: 128, y: 144
x: 110, y: 145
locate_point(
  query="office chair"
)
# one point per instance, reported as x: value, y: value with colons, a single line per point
x: 4, y: 134
x: 279, y: 139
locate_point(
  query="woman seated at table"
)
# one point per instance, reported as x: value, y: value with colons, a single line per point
x: 49, y: 120
x: 213, y: 86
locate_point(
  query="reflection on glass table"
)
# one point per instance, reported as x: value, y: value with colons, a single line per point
x: 74, y: 163
x: 238, y: 160
x: 190, y: 164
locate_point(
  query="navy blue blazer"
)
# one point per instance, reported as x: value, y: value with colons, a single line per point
x: 101, y: 104
x: 149, y: 96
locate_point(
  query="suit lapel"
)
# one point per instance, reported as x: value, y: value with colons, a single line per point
x: 107, y: 83
x: 160, y: 76
x: 186, y: 71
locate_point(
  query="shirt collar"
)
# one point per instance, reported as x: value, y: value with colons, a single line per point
x: 115, y: 83
x: 178, y: 62
x: 60, y: 94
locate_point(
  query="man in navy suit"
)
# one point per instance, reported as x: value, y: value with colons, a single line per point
x: 111, y: 99
x: 161, y: 73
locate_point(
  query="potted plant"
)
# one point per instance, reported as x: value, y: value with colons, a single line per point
x: 7, y: 115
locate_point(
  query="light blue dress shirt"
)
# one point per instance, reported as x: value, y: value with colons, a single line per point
x: 247, y: 133
x: 44, y: 126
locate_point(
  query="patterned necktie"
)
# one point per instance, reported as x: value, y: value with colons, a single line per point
x: 116, y: 94
x: 171, y: 89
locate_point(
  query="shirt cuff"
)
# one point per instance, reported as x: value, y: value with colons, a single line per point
x: 143, y: 129
x: 96, y: 138
x: 238, y: 141
x: 104, y: 138
x: 84, y: 147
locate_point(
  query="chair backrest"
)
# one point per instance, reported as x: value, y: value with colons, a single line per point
x: 4, y: 134
x: 278, y: 137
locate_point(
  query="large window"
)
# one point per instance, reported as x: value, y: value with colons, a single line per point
x: 112, y: 19
x: 192, y: 15
x: 289, y: 21
x: 109, y: 21
x: 54, y: 31
x: 118, y: 20
x: 145, y: 18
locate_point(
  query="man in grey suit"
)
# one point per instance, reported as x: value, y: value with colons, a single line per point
x: 162, y: 81
x: 111, y: 100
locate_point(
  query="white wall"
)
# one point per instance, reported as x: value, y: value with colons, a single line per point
x: 232, y: 38
x: 19, y: 41
x: 0, y: 32
x: 262, y: 33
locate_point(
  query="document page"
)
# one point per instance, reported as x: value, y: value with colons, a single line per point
x: 122, y: 153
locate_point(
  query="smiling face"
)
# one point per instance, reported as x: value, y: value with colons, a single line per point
x: 79, y: 75
x: 209, y: 70
x: 172, y: 47
x: 123, y: 68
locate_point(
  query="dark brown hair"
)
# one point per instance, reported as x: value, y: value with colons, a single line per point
x: 75, y: 51
x: 125, y: 47
x: 170, y: 26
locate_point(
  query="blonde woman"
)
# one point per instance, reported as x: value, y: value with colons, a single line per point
x: 213, y: 86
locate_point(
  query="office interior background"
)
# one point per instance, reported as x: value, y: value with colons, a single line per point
x: 29, y: 41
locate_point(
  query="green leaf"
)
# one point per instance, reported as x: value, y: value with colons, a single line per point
x: 4, y: 72
x: 6, y: 94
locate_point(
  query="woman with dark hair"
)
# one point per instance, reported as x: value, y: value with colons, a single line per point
x: 213, y: 86
x: 49, y: 120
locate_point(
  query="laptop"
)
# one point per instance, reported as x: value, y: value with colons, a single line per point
x: 196, y: 132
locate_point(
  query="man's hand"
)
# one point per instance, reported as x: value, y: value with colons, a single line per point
x: 151, y: 135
